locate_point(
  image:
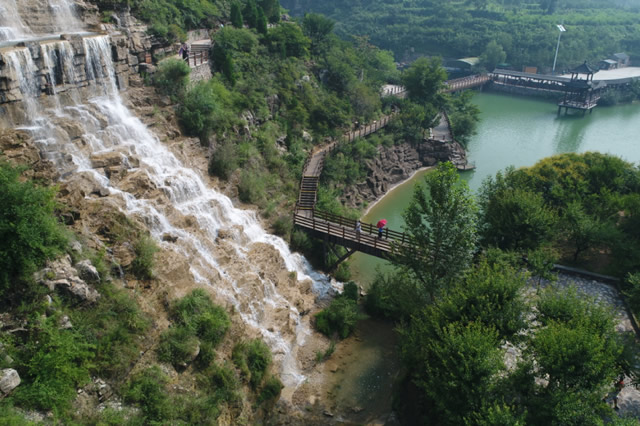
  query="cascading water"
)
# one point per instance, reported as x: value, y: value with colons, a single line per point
x: 108, y: 126
x: 11, y: 25
x: 64, y: 15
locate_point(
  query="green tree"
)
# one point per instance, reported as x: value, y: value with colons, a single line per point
x: 513, y: 218
x: 453, y: 365
x: 261, y: 22
x: 250, y: 14
x: 288, y: 40
x: 29, y: 232
x: 424, y: 79
x: 441, y: 221
x: 318, y: 28
x: 493, y: 55
x: 582, y: 230
x: 271, y: 10
x: 236, y: 15
x: 172, y: 77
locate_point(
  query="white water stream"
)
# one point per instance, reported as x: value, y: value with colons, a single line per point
x: 108, y: 126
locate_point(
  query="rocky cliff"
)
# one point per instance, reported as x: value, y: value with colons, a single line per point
x: 396, y: 164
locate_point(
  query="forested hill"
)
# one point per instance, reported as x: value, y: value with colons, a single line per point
x: 525, y: 29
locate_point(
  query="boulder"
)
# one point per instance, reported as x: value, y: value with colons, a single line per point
x: 60, y: 274
x: 87, y: 271
x: 9, y: 380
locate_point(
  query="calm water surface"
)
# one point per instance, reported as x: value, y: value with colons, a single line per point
x: 518, y: 131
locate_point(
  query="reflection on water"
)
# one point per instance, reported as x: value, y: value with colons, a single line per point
x: 519, y: 131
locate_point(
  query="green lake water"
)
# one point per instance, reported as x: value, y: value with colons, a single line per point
x: 517, y: 131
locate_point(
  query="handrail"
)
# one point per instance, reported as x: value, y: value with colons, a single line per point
x: 367, y: 228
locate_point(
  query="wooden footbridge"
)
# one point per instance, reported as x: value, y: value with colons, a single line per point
x: 338, y: 230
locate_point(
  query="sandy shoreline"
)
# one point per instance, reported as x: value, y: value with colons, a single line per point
x: 394, y: 187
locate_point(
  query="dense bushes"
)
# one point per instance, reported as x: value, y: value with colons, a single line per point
x: 342, y: 315
x: 578, y: 203
x: 172, y: 77
x: 198, y: 327
x: 252, y: 359
x: 29, y: 232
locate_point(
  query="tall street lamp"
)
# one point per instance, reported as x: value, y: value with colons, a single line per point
x: 562, y: 29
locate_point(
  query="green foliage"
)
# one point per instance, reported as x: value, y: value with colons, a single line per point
x: 339, y: 318
x: 147, y: 390
x: 183, y: 15
x: 632, y: 292
x: 351, y: 291
x: 271, y: 10
x: 453, y: 365
x: 513, y: 218
x: 178, y: 346
x: 52, y: 364
x: 251, y: 188
x: 252, y: 358
x: 206, y: 108
x: 250, y: 13
x: 220, y: 382
x: 283, y: 226
x: 199, y: 326
x: 271, y: 390
x: 115, y: 327
x: 441, y: 219
x: 493, y: 55
x: 29, y: 232
x: 223, y: 161
x: 201, y: 316
x: 172, y: 77
x: 236, y: 15
x: 463, y: 116
x: 317, y: 27
x: 289, y: 41
x: 524, y: 30
x: 423, y: 80
x: 142, y: 265
x: 10, y: 416
x: 540, y: 262
x: 261, y: 22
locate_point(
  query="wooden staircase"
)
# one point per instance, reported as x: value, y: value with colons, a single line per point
x: 308, y: 193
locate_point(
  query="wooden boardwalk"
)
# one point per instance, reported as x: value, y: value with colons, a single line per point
x: 333, y: 229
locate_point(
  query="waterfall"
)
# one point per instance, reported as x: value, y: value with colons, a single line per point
x: 107, y: 126
x: 11, y: 25
x: 64, y: 15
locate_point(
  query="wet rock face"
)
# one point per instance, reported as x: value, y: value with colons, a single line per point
x: 396, y: 164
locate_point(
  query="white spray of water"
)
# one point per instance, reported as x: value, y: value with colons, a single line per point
x: 64, y: 16
x: 11, y: 25
x: 188, y: 194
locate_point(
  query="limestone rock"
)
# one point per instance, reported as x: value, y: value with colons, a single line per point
x: 60, y: 274
x: 87, y: 271
x: 9, y: 380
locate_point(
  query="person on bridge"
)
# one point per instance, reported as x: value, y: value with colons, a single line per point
x: 184, y: 51
x: 358, y: 230
x: 381, y: 224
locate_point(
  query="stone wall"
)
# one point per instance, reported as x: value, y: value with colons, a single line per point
x: 398, y: 163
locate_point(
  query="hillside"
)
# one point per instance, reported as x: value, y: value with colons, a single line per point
x: 526, y: 30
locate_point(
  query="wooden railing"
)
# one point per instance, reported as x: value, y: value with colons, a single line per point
x: 465, y: 82
x: 198, y: 57
x: 367, y: 228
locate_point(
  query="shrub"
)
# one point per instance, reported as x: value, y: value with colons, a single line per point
x: 220, y: 382
x: 223, y: 161
x: 142, y: 265
x: 29, y: 233
x: 172, y: 77
x: 271, y: 389
x: 252, y: 358
x: 339, y: 318
x: 52, y: 364
x: 177, y: 346
x: 351, y: 291
x: 201, y: 316
x: 633, y: 292
x: 147, y: 389
x: 114, y: 326
x: 283, y: 226
x: 251, y: 187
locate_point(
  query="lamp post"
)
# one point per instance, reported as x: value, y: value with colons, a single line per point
x: 562, y: 29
